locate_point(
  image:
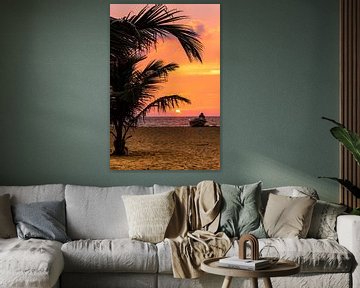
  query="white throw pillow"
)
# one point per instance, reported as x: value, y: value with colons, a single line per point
x: 149, y: 215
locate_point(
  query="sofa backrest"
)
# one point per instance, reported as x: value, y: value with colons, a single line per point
x: 293, y: 191
x: 36, y: 193
x: 163, y: 188
x: 98, y: 213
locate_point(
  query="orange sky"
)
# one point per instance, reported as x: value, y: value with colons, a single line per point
x: 200, y: 82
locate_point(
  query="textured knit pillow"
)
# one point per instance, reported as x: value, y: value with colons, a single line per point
x: 149, y: 215
x: 323, y: 222
x: 7, y: 226
x: 43, y: 220
x: 288, y: 217
x: 240, y: 210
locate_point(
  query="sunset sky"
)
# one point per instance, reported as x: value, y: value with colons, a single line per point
x: 200, y: 82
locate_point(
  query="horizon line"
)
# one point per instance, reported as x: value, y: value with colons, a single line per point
x: 180, y: 116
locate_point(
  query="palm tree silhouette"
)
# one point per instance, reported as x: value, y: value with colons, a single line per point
x: 132, y: 90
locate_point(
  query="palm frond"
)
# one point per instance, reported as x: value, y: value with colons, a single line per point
x: 122, y: 72
x: 156, y: 72
x: 137, y: 88
x: 142, y: 31
x: 143, y: 84
x: 163, y: 104
x: 123, y: 37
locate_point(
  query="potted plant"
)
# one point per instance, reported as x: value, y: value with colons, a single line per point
x: 351, y: 141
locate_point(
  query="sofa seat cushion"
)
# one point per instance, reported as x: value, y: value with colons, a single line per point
x: 30, y: 263
x: 115, y: 255
x: 313, y: 255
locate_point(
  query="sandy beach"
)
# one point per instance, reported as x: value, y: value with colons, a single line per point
x: 171, y: 148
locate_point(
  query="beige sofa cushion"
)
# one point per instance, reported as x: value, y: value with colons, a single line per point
x: 30, y: 263
x: 117, y: 255
x: 287, y: 216
x: 98, y: 213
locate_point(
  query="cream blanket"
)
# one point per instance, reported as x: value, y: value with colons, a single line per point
x: 191, y: 231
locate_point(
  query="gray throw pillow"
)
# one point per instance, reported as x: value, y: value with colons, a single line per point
x: 240, y: 213
x: 323, y: 222
x: 7, y: 227
x: 44, y: 220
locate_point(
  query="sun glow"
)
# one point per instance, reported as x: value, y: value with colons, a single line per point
x: 178, y: 111
x: 199, y: 69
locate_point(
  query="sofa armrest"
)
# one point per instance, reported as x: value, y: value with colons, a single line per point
x: 348, y: 230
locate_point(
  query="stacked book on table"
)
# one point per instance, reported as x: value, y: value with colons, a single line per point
x: 248, y: 264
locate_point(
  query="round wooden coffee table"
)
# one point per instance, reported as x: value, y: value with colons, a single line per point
x: 281, y: 268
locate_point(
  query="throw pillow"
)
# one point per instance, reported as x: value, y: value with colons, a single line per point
x: 240, y: 210
x: 44, y: 220
x: 149, y: 215
x: 291, y: 191
x: 7, y: 227
x: 288, y: 217
x: 323, y: 222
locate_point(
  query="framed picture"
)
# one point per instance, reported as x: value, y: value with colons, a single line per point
x: 165, y: 86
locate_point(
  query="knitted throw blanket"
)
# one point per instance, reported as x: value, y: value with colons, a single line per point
x: 191, y: 231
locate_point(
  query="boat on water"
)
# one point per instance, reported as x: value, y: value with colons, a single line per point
x: 198, y: 121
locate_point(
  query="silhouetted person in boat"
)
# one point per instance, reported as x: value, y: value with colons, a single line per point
x: 198, y: 121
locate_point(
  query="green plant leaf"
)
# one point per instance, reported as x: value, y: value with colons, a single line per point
x: 333, y: 121
x: 349, y: 139
x: 347, y: 184
x: 355, y: 211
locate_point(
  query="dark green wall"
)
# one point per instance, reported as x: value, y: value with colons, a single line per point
x: 279, y: 76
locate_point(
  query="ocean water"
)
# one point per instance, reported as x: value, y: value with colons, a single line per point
x: 175, y: 121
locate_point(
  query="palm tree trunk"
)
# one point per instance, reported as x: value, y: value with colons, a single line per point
x: 119, y: 142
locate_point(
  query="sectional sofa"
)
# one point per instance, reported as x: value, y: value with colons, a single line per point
x: 101, y: 254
